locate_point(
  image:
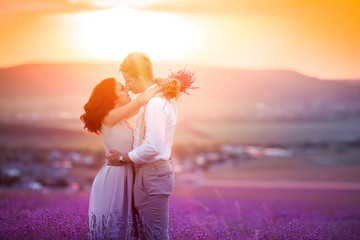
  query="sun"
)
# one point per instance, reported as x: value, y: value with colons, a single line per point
x: 111, y: 34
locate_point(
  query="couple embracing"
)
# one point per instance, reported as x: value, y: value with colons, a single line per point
x: 129, y: 196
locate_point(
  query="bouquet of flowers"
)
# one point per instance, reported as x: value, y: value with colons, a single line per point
x: 178, y: 82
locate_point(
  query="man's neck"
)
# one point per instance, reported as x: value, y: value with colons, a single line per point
x: 146, y: 85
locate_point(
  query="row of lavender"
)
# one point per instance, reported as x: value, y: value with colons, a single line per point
x: 34, y: 215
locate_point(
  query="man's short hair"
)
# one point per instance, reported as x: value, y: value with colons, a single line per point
x: 137, y: 64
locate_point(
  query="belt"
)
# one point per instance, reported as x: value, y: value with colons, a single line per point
x: 150, y: 165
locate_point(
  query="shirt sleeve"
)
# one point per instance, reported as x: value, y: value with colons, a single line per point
x: 154, y: 140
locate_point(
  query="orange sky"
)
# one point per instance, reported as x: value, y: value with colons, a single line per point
x: 315, y: 37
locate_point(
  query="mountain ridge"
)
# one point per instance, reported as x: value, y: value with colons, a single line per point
x: 221, y: 90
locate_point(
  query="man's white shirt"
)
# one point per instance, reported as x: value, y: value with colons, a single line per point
x: 160, y: 122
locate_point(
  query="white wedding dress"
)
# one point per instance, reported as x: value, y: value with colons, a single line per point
x: 111, y: 193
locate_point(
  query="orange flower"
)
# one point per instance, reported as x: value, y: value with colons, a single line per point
x: 178, y: 82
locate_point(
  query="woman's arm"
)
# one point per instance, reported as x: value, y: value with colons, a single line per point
x: 131, y: 108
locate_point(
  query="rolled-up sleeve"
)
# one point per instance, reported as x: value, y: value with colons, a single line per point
x: 154, y: 139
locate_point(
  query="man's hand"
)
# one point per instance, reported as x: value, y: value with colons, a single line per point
x: 113, y: 158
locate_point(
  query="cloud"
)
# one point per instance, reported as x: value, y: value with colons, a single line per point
x: 263, y: 7
x: 16, y: 6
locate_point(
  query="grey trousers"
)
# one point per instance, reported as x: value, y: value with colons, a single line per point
x: 153, y: 185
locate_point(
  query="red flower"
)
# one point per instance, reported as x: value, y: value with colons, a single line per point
x: 179, y: 82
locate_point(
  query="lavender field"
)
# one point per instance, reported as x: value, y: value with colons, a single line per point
x: 224, y: 191
x: 197, y: 213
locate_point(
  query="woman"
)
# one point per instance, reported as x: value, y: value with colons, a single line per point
x: 110, y: 206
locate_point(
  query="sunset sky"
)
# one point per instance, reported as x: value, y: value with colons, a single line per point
x: 320, y: 38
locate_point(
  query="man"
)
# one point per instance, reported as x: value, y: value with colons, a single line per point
x: 153, y: 139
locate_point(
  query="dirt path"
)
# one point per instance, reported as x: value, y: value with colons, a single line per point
x: 282, y: 184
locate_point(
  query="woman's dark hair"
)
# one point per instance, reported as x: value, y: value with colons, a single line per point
x: 101, y: 101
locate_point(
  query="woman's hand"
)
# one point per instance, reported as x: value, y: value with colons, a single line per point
x: 164, y: 82
x: 161, y: 81
x: 144, y: 97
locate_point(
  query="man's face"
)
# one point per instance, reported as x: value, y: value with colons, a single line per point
x: 132, y: 83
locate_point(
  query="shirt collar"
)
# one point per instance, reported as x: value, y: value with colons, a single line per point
x: 151, y: 87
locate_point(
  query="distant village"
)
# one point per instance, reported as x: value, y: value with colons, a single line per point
x: 317, y: 110
x: 41, y: 169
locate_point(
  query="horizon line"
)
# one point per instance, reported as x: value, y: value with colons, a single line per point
x: 175, y: 62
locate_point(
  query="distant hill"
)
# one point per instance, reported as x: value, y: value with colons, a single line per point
x: 52, y: 79
x: 221, y: 91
